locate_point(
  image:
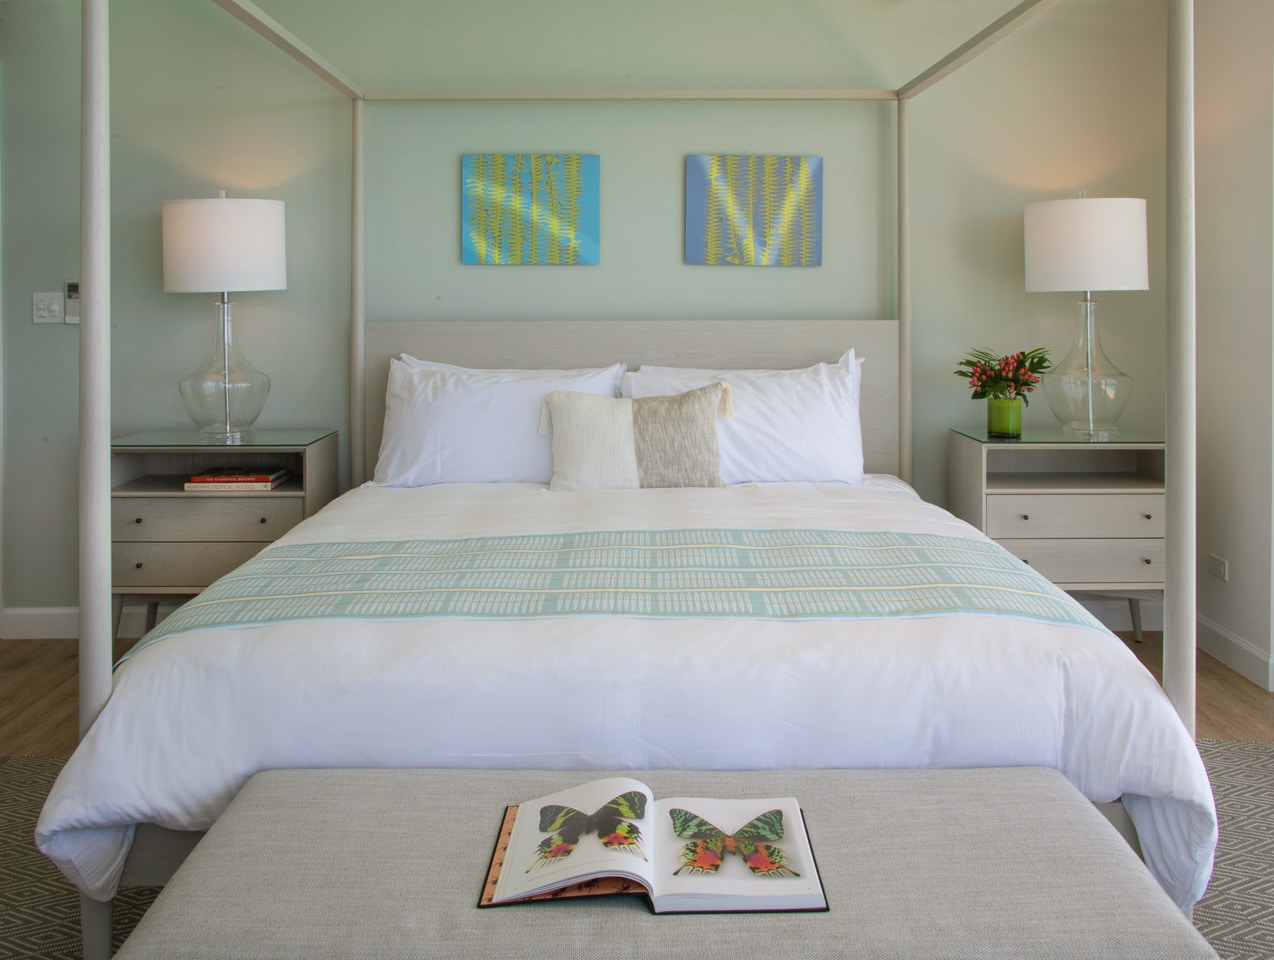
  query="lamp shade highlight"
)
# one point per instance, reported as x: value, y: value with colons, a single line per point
x: 1089, y: 243
x: 222, y: 245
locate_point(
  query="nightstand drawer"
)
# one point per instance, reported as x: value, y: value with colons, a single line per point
x: 201, y: 517
x: 1093, y: 561
x: 1075, y: 515
x: 176, y: 564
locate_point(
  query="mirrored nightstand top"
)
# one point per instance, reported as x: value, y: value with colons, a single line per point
x: 1127, y: 436
x: 174, y: 439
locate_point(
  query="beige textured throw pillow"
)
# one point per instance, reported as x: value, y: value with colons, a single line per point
x: 604, y: 442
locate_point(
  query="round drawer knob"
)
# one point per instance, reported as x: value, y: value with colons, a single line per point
x: 264, y: 519
x: 1149, y: 517
x: 1147, y: 560
x: 1026, y: 516
x: 139, y: 564
x: 138, y: 520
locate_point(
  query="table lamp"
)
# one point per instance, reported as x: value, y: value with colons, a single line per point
x: 1087, y: 244
x: 217, y: 246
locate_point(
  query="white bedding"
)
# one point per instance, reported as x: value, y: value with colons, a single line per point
x: 194, y: 715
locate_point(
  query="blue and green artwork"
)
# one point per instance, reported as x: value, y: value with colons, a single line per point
x: 754, y: 211
x: 530, y: 208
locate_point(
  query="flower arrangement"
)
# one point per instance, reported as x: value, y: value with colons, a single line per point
x: 1002, y: 378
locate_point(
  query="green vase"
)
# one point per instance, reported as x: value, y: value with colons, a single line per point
x: 1004, y: 417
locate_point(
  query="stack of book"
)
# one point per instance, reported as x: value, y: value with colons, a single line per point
x: 233, y: 479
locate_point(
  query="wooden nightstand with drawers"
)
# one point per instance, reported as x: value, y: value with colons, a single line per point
x: 1089, y: 516
x: 167, y: 541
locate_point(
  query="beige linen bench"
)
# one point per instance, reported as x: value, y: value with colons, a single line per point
x: 1002, y: 863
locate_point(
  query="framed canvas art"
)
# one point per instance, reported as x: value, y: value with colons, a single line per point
x: 530, y: 208
x: 754, y: 211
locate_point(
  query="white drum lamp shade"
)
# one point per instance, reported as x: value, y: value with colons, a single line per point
x: 1087, y: 244
x: 224, y: 246
x: 216, y: 246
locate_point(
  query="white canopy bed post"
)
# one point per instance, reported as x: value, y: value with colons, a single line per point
x: 95, y: 367
x: 1179, y: 614
x: 358, y: 297
x: 95, y: 404
x: 904, y: 290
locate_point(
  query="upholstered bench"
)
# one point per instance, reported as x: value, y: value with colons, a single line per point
x: 1010, y: 863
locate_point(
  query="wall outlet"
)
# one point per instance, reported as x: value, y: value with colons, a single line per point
x: 46, y: 307
x: 1219, y: 567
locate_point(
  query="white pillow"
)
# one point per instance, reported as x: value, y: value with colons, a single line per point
x: 788, y: 425
x: 453, y: 425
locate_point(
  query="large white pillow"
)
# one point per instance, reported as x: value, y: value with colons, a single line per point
x: 451, y: 425
x: 788, y: 425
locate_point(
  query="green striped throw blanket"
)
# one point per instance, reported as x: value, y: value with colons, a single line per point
x: 769, y: 574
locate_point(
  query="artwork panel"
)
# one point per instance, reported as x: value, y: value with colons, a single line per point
x: 754, y: 210
x: 530, y: 208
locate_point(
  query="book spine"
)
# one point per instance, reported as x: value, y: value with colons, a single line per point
x: 231, y: 486
x: 235, y: 478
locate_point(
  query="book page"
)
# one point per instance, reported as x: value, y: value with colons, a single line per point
x: 740, y: 849
x: 585, y: 831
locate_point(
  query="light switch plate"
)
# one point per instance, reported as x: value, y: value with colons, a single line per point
x: 46, y: 307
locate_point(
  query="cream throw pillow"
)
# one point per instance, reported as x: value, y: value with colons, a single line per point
x: 600, y: 442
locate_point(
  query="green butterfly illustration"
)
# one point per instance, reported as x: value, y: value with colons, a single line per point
x: 709, y: 845
x: 565, y: 825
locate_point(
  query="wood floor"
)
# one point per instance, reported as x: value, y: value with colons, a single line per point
x: 39, y: 699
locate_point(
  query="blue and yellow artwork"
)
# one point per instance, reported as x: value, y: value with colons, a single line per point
x: 530, y: 208
x: 754, y: 211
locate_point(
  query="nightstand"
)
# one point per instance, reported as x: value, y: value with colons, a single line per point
x: 167, y: 541
x: 1089, y: 516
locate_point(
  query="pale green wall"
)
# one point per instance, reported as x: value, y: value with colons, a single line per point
x: 1074, y: 100
x: 1235, y: 151
x: 414, y: 211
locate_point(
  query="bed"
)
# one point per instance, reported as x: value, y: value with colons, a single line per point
x: 437, y: 620
x: 1098, y: 716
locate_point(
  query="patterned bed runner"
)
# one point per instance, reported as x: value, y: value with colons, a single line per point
x: 768, y: 574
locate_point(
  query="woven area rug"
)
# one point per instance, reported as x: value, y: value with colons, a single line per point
x: 39, y: 910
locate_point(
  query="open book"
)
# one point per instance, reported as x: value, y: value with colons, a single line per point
x: 687, y: 854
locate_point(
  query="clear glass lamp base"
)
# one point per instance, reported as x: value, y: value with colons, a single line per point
x: 1086, y: 391
x: 224, y: 396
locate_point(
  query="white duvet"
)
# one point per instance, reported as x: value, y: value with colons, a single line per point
x: 194, y: 715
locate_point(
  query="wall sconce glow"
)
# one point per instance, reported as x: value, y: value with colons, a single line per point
x: 218, y: 246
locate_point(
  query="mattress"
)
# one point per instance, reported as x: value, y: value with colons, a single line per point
x: 201, y: 706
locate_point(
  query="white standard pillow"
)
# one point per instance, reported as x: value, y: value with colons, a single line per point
x: 452, y: 425
x: 788, y: 425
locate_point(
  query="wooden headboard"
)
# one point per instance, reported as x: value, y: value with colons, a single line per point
x: 697, y: 343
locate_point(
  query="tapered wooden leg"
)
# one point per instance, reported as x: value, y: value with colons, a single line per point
x: 95, y: 927
x: 1134, y: 611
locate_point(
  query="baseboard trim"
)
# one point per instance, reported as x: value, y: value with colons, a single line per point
x: 40, y: 623
x: 63, y: 623
x: 1236, y: 653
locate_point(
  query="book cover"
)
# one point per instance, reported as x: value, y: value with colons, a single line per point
x: 231, y: 486
x: 686, y: 854
x: 239, y: 475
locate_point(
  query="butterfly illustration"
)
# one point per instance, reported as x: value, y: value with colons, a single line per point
x: 565, y: 825
x: 708, y: 844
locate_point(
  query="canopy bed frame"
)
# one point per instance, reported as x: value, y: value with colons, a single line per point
x: 371, y: 344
